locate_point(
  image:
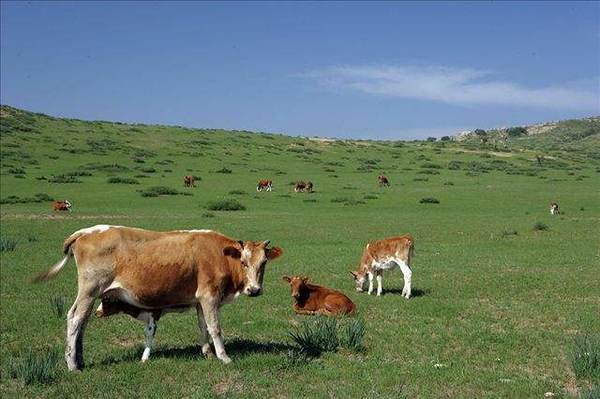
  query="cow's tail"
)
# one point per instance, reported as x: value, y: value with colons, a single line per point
x: 411, y: 248
x: 54, y: 270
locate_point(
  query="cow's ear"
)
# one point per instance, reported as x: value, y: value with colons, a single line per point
x: 286, y: 278
x: 233, y: 252
x: 241, y: 243
x: 273, y: 253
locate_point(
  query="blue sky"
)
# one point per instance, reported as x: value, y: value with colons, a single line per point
x: 390, y: 70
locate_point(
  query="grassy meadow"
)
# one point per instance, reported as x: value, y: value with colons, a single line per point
x: 503, y: 291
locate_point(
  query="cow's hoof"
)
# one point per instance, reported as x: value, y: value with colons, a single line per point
x: 225, y: 359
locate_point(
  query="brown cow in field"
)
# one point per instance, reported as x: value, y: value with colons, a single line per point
x: 314, y: 299
x: 189, y: 181
x: 554, y: 210
x: 266, y: 185
x: 159, y: 272
x: 383, y: 255
x: 382, y: 180
x: 61, y: 206
x: 303, y: 186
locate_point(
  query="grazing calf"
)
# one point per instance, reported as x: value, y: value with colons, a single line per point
x: 189, y: 181
x: 382, y: 180
x: 314, y: 299
x: 554, y: 209
x: 266, y: 185
x: 61, y: 206
x: 159, y: 271
x: 383, y: 255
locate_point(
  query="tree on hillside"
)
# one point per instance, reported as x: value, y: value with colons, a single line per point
x: 516, y: 131
x: 445, y: 138
x: 431, y: 139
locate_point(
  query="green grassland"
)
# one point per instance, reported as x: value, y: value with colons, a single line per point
x: 497, y: 304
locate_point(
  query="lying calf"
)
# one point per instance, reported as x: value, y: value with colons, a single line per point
x: 314, y: 299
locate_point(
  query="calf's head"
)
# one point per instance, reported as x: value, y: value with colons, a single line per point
x: 253, y: 257
x: 359, y: 280
x: 297, y: 285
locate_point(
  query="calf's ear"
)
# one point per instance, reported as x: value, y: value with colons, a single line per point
x: 353, y: 274
x: 273, y: 253
x: 286, y: 278
x: 233, y: 252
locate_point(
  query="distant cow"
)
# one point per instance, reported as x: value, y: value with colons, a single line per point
x: 303, y: 186
x: 383, y: 180
x: 148, y: 273
x: 189, y: 181
x: 314, y: 299
x: 61, y: 206
x: 266, y: 185
x: 383, y: 255
x: 554, y: 209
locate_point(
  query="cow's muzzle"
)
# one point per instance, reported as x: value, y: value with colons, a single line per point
x: 253, y: 291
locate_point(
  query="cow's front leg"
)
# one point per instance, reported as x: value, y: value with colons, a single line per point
x: 211, y: 316
x: 379, y: 283
x: 370, y: 282
x: 149, y: 332
x: 204, y: 337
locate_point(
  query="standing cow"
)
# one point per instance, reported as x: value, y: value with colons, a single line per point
x: 303, y: 186
x: 61, y: 206
x: 383, y: 180
x: 156, y: 271
x: 189, y: 181
x: 554, y: 210
x: 384, y: 255
x: 266, y: 185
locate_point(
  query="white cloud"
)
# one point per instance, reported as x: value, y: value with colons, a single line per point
x: 455, y: 86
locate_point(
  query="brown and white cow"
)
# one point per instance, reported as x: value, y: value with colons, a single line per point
x: 384, y: 255
x: 189, y: 181
x: 314, y: 299
x: 162, y: 271
x: 383, y: 180
x: 554, y: 210
x: 266, y: 185
x: 61, y: 206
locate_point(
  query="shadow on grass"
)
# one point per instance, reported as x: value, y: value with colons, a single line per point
x: 415, y: 292
x: 236, y: 348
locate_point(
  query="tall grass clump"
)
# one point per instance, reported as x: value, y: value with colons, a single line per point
x: 57, y: 304
x: 353, y: 334
x: 156, y: 191
x: 35, y: 367
x: 225, y: 205
x: 585, y: 356
x: 429, y: 200
x: 7, y: 244
x: 122, y: 180
x: 540, y: 226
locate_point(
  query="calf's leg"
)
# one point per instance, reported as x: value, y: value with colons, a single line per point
x: 406, y: 290
x: 370, y: 282
x: 379, y: 283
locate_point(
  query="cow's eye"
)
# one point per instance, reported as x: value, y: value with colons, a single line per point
x: 244, y: 263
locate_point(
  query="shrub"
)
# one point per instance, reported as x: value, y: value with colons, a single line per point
x: 32, y: 238
x: 429, y: 165
x: 448, y: 183
x: 455, y: 165
x: 57, y: 304
x: 14, y: 199
x: 540, y: 226
x: 508, y: 233
x: 7, y: 244
x: 315, y: 337
x: 109, y: 168
x: 309, y: 200
x: 429, y: 200
x: 64, y: 179
x: 370, y: 196
x: 224, y: 170
x: 516, y: 131
x: 156, y: 191
x: 122, y: 180
x: 428, y: 172
x: 148, y: 170
x: 585, y: 356
x: 445, y: 138
x: 78, y: 173
x: 35, y: 367
x: 237, y: 192
x: 225, y: 205
x: 421, y: 179
x: 208, y: 215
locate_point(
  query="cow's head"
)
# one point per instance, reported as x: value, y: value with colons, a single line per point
x: 253, y: 257
x: 297, y: 285
x: 68, y: 204
x: 359, y: 280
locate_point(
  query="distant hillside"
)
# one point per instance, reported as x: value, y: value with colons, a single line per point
x: 549, y: 136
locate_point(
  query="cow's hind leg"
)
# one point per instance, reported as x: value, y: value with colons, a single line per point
x: 379, y: 275
x: 76, y: 321
x: 204, y: 336
x: 211, y: 316
x: 406, y: 290
x: 370, y: 282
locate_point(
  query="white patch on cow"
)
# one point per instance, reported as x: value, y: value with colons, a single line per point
x: 246, y: 253
x: 124, y: 295
x: 99, y: 228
